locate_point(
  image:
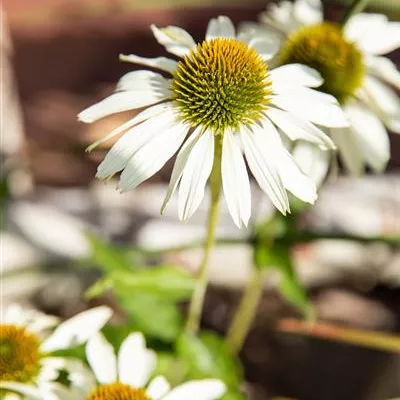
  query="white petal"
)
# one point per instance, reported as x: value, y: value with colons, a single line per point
x: 163, y: 63
x: 207, y: 389
x: 195, y: 175
x: 256, y: 150
x: 142, y: 116
x: 281, y: 16
x: 362, y: 24
x: 235, y: 180
x: 293, y: 179
x: 176, y: 40
x: 371, y: 136
x: 320, y: 113
x: 383, y: 97
x: 385, y: 69
x: 349, y: 150
x: 179, y: 165
x: 135, y: 362
x: 307, y: 94
x: 308, y: 12
x: 265, y: 47
x: 132, y: 141
x: 143, y: 81
x: 122, y: 101
x: 101, y: 358
x: 313, y: 161
x: 295, y: 75
x: 381, y: 38
x: 32, y: 392
x: 150, y: 158
x: 220, y: 27
x: 296, y: 128
x: 158, y: 388
x: 78, y: 329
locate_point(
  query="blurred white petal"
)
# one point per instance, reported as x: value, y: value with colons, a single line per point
x: 163, y: 63
x: 220, y: 27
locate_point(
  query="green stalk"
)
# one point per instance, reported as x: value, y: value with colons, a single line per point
x: 246, y: 312
x: 356, y: 7
x: 197, y: 301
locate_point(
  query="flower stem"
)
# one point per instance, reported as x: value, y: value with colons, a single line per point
x: 356, y: 7
x: 246, y: 312
x: 197, y: 301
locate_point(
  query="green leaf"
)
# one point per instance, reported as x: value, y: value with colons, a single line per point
x: 152, y: 315
x: 98, y: 288
x: 233, y: 395
x: 108, y: 257
x: 208, y: 356
x: 173, y: 368
x: 172, y: 283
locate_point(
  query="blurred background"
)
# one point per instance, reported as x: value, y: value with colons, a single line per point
x: 58, y: 57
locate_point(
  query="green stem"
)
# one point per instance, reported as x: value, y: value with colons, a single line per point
x: 197, y: 301
x: 246, y: 312
x: 356, y: 7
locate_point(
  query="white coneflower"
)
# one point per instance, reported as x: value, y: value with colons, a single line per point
x: 127, y: 377
x: 26, y: 363
x: 354, y: 71
x: 221, y: 101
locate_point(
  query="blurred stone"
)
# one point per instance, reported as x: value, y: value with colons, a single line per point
x: 356, y: 310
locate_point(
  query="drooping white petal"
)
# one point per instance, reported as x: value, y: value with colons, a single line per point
x: 296, y: 128
x: 295, y: 75
x: 360, y: 25
x: 308, y: 12
x: 281, y: 16
x: 135, y: 362
x: 320, y: 113
x: 263, y: 169
x: 33, y: 320
x: 313, y: 161
x: 101, y: 358
x: 158, y: 388
x: 78, y: 329
x: 235, y: 180
x: 122, y: 101
x: 381, y: 38
x: 152, y: 156
x: 195, y: 175
x: 349, y: 150
x: 220, y: 27
x: 265, y: 47
x: 144, y: 81
x: 385, y: 69
x: 206, y: 389
x: 383, y: 98
x: 30, y: 391
x: 293, y: 178
x: 371, y: 136
x: 142, y: 116
x: 132, y: 141
x: 176, y: 40
x: 307, y: 94
x: 163, y: 63
x: 179, y: 165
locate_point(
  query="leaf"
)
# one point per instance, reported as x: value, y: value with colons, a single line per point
x: 152, y: 315
x: 108, y: 257
x: 209, y: 357
x: 173, y: 368
x: 172, y: 283
x: 278, y: 257
x: 98, y: 288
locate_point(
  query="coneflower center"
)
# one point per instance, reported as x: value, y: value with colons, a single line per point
x: 19, y: 354
x: 118, y: 391
x: 324, y: 47
x: 222, y: 83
